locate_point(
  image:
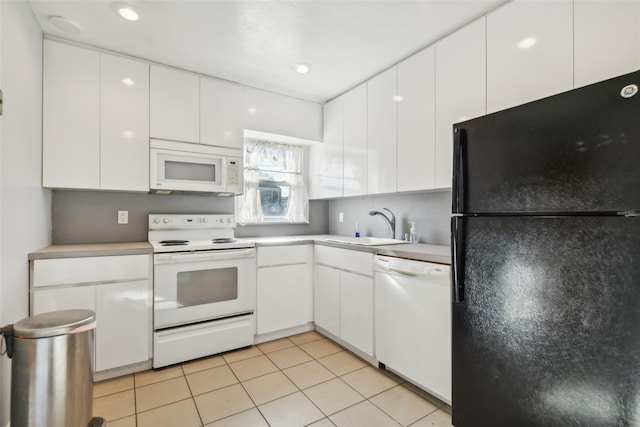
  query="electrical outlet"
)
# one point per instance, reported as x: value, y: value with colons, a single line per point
x: 123, y: 217
x: 341, y: 217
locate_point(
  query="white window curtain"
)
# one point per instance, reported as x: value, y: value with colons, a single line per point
x: 271, y: 162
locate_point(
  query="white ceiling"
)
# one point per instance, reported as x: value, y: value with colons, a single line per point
x: 257, y: 42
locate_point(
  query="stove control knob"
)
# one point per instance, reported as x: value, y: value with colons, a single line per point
x: 229, y: 220
x: 166, y: 220
x: 205, y: 220
x: 156, y: 220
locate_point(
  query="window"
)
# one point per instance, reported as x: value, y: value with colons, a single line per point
x: 274, y: 189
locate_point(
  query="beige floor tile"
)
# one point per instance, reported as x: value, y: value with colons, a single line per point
x: 333, y: 396
x: 321, y: 348
x: 250, y: 418
x: 275, y: 345
x: 251, y: 368
x: 202, y: 364
x: 369, y: 381
x: 129, y: 421
x: 289, y: 357
x: 211, y: 379
x: 269, y: 387
x: 222, y: 403
x: 438, y: 418
x: 325, y: 422
x: 151, y: 376
x: 342, y: 363
x: 111, y: 386
x: 447, y: 409
x: 403, y: 405
x: 114, y: 406
x: 294, y: 410
x: 363, y: 414
x: 183, y: 414
x: 308, y: 374
x: 423, y: 394
x: 305, y: 337
x: 162, y: 393
x: 243, y: 354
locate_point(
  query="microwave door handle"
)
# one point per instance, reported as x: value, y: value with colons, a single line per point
x: 204, y: 256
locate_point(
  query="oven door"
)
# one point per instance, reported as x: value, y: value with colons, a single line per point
x: 193, y: 287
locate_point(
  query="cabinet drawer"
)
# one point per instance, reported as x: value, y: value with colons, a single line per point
x: 68, y: 271
x: 283, y: 255
x: 345, y: 259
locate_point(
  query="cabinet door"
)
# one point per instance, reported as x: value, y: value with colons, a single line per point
x: 71, y: 117
x: 529, y: 52
x: 123, y: 312
x: 607, y: 40
x: 460, y: 90
x: 416, y: 122
x: 174, y: 105
x: 282, y: 115
x: 326, y: 299
x: 67, y: 298
x: 355, y: 141
x: 381, y: 131
x: 284, y: 297
x: 221, y: 105
x: 356, y: 311
x: 124, y: 119
x: 326, y: 163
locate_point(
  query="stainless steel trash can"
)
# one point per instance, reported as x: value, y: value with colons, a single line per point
x: 51, y: 373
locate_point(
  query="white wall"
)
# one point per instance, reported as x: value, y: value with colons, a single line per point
x: 25, y: 208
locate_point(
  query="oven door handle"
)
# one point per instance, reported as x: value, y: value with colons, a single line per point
x: 217, y: 255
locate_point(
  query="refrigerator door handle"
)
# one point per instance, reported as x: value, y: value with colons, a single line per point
x: 459, y: 142
x: 457, y: 257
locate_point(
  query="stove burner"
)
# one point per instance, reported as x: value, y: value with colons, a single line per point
x: 173, y: 242
x: 223, y: 240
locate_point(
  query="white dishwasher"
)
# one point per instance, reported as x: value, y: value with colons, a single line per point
x: 413, y: 322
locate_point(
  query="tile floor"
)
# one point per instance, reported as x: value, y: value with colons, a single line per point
x: 303, y: 380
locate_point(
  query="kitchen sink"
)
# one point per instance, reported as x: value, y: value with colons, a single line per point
x: 365, y: 241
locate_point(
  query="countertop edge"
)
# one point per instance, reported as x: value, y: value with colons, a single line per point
x: 92, y: 250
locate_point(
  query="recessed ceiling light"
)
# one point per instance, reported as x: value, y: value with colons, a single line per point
x: 527, y: 43
x: 302, y: 68
x: 64, y: 24
x: 126, y: 11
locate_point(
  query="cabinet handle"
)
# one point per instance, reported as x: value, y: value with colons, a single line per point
x: 457, y: 257
x: 459, y: 168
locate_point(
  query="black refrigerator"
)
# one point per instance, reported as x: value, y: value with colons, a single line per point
x: 546, y: 262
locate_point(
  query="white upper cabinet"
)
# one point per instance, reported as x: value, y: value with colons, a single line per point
x: 282, y: 115
x: 355, y: 141
x: 460, y: 90
x: 71, y: 117
x: 326, y: 164
x: 529, y: 52
x: 381, y: 131
x: 416, y: 121
x: 607, y: 40
x: 124, y: 119
x: 221, y: 109
x: 174, y: 105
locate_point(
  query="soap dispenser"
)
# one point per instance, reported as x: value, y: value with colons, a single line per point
x: 357, y: 232
x: 413, y: 237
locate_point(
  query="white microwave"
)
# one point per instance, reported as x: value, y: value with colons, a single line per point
x: 194, y: 168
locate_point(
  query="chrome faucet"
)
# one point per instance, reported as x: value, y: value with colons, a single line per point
x: 391, y: 222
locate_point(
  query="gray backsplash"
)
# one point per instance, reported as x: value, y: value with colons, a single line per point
x: 430, y: 211
x: 91, y: 216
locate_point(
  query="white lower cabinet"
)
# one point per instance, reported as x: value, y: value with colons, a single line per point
x: 117, y: 288
x: 285, y: 291
x: 343, y: 296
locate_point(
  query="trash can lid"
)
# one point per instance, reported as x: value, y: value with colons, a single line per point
x: 55, y: 323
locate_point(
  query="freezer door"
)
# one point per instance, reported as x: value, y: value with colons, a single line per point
x: 576, y: 151
x: 546, y: 325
